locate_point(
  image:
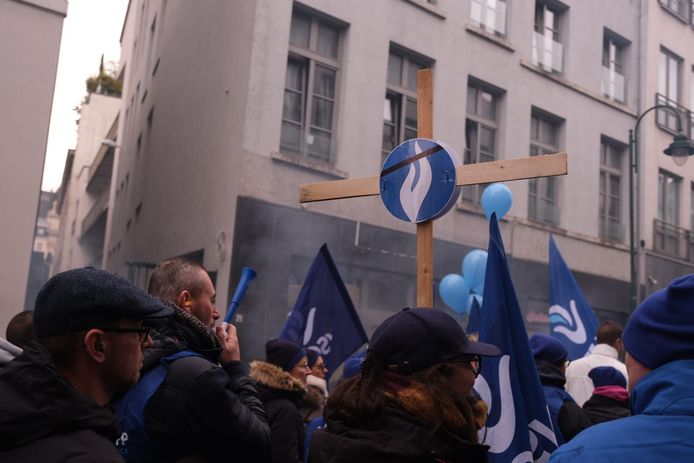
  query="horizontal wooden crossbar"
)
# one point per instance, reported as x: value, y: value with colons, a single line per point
x: 469, y: 174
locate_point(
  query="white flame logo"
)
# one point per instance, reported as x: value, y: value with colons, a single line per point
x: 411, y: 195
x: 576, y: 335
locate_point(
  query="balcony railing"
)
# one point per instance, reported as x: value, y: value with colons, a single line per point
x: 673, y: 241
x: 547, y: 53
x: 542, y: 211
x: 611, y: 229
x: 489, y: 15
x: 613, y: 84
x: 95, y: 213
x: 667, y: 120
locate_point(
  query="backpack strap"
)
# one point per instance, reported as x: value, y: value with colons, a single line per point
x: 134, y: 444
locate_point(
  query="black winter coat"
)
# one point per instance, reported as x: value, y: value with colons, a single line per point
x: 398, y: 438
x: 282, y: 395
x: 600, y: 408
x: 201, y: 408
x: 45, y: 419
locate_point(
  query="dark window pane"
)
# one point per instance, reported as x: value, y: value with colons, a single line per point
x: 295, y: 75
x: 412, y: 75
x: 322, y: 113
x: 394, y: 69
x: 410, y: 134
x: 389, y: 136
x: 291, y: 136
x: 487, y: 139
x: 411, y: 113
x: 300, y: 30
x: 320, y: 147
x: 324, y: 82
x: 292, y: 106
x: 487, y: 107
x: 327, y: 40
x: 471, y: 100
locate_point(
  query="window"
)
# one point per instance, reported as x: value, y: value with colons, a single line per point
x: 668, y: 238
x: 668, y: 88
x: 489, y: 15
x: 677, y: 7
x: 547, y: 47
x: 310, y: 88
x: 668, y: 198
x: 613, y: 54
x: 400, y: 104
x: 542, y: 192
x: 481, y: 128
x: 611, y: 155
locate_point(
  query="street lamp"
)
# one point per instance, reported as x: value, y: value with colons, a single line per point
x: 680, y: 149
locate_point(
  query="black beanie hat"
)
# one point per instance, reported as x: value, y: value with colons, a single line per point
x: 285, y: 354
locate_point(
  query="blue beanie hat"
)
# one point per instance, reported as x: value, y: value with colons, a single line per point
x: 548, y: 349
x: 285, y: 354
x: 660, y: 330
x: 607, y: 376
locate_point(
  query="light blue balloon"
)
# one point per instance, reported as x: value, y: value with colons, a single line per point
x: 496, y: 198
x: 474, y: 269
x: 455, y: 292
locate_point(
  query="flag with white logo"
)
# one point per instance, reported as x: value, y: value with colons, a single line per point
x: 324, y: 317
x: 571, y: 319
x: 518, y: 428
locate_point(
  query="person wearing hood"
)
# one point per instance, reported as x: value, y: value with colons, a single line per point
x: 568, y: 419
x: 408, y: 403
x: 610, y: 399
x: 206, y: 407
x: 281, y: 381
x: 89, y: 345
x: 660, y: 361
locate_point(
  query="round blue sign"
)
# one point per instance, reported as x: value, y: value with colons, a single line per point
x: 418, y: 180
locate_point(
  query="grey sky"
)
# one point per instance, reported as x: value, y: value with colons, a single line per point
x: 92, y: 27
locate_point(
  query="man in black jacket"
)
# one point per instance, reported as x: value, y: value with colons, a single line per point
x: 207, y: 407
x: 90, y: 344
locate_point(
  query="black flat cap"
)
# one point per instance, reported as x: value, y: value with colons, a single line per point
x: 85, y: 298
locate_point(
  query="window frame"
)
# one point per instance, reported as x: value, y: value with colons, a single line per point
x: 608, y: 171
x: 403, y: 96
x: 481, y: 22
x: 539, y: 147
x: 540, y: 28
x: 473, y: 154
x: 309, y: 59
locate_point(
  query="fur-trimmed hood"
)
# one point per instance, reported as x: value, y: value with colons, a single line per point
x: 274, y: 377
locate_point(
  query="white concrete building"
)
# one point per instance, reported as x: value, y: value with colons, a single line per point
x: 85, y: 187
x: 228, y: 106
x: 30, y: 32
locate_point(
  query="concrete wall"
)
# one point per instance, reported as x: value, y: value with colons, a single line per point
x: 30, y: 33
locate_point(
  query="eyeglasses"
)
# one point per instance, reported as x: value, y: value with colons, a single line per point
x: 473, y: 362
x: 143, y: 333
x: 319, y: 367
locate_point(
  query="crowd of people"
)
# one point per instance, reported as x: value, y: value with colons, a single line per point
x: 103, y: 371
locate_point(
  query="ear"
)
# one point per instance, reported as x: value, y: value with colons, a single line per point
x: 184, y: 300
x: 94, y: 345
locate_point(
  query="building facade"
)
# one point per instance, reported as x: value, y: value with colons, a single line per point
x: 84, y: 200
x: 30, y: 32
x: 228, y: 107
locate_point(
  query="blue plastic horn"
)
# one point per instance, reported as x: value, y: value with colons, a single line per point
x: 247, y: 274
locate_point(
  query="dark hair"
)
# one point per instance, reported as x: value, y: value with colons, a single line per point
x: 172, y: 276
x: 608, y: 332
x: 20, y: 329
x: 361, y: 400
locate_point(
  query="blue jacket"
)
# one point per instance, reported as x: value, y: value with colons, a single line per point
x: 662, y: 428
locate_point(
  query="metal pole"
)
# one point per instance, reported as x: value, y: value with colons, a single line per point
x: 632, y: 242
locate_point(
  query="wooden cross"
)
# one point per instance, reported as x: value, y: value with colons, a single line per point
x: 470, y: 174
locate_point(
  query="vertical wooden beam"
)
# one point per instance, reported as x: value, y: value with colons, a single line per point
x: 425, y: 230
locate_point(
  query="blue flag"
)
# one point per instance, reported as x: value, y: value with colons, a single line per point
x: 519, y: 428
x: 473, y: 323
x: 571, y: 320
x: 324, y: 317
